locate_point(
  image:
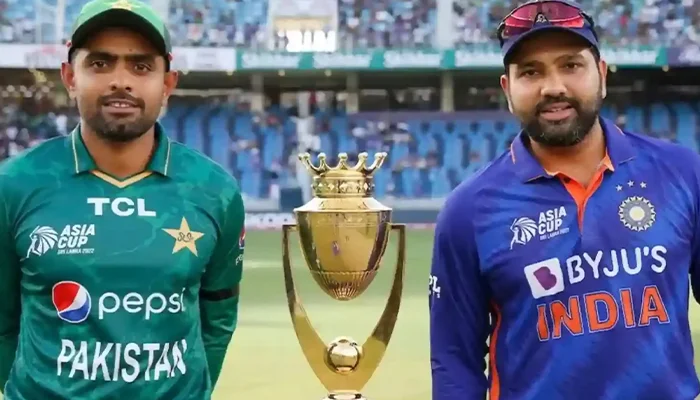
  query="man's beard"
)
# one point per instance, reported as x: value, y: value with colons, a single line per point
x: 116, y: 130
x: 568, y: 132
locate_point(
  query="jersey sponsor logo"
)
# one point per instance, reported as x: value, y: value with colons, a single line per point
x: 545, y: 278
x: 113, y: 362
x: 107, y: 361
x: 72, y: 240
x: 120, y: 206
x: 600, y: 310
x: 549, y: 224
x: 72, y: 301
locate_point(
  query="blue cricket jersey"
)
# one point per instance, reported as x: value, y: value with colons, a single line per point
x: 572, y: 292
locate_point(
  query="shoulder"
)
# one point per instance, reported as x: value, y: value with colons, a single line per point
x: 676, y: 159
x: 462, y: 204
x: 653, y: 148
x: 44, y: 158
x: 39, y: 167
x: 194, y: 166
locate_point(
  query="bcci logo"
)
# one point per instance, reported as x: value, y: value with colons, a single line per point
x: 44, y: 238
x: 524, y: 229
x: 637, y: 213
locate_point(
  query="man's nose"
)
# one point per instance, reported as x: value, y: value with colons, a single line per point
x: 121, y: 80
x: 553, y: 86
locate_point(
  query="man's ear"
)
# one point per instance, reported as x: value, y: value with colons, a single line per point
x: 505, y: 85
x: 170, y: 83
x: 603, y: 69
x: 68, y: 78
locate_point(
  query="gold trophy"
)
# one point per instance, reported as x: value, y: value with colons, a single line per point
x: 343, y: 232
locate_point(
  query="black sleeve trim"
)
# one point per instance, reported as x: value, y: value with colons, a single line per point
x: 219, y: 295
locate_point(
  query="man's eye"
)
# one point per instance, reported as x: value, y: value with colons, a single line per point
x: 572, y: 65
x: 530, y: 72
x: 98, y: 64
x: 141, y: 67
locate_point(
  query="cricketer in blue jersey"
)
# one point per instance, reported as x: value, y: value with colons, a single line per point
x: 567, y: 261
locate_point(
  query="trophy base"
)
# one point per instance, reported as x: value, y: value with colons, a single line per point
x: 345, y: 396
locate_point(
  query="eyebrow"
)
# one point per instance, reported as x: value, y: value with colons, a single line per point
x: 570, y: 56
x: 104, y: 55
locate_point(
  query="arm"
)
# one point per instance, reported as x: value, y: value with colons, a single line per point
x: 694, y: 196
x: 10, y: 287
x: 220, y: 288
x: 459, y: 309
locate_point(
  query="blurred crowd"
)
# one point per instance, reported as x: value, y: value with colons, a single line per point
x: 30, y: 115
x: 370, y: 23
x: 620, y: 22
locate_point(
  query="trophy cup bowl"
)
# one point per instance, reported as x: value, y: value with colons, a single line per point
x: 343, y: 242
x: 343, y: 232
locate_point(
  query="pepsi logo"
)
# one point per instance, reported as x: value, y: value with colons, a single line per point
x: 72, y: 301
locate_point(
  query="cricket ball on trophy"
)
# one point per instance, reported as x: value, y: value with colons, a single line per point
x: 343, y: 355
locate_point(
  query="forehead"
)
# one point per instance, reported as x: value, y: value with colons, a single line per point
x: 547, y: 47
x: 119, y: 41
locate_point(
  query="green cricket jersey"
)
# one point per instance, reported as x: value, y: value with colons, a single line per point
x: 116, y: 289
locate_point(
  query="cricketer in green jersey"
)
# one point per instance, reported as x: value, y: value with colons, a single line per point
x: 120, y: 250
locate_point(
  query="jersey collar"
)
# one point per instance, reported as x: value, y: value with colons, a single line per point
x: 619, y: 151
x: 83, y: 162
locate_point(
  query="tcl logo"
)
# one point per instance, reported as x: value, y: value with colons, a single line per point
x: 120, y: 206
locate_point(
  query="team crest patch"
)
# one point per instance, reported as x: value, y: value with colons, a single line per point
x: 637, y: 213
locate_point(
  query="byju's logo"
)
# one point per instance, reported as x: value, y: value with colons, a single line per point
x: 545, y: 278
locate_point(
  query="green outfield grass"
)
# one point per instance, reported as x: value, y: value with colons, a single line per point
x: 265, y: 361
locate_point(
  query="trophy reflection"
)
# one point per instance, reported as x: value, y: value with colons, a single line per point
x: 343, y: 232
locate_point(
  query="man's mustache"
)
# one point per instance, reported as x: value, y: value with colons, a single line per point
x: 122, y: 96
x: 573, y: 103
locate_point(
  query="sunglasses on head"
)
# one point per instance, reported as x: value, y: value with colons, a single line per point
x: 552, y: 12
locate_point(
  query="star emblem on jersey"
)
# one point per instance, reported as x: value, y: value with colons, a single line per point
x: 184, y: 237
x: 637, y: 213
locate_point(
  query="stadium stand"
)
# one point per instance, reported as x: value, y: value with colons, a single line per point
x: 386, y: 23
x: 218, y: 22
x: 365, y: 23
x: 634, y: 22
x: 429, y: 152
x: 192, y: 23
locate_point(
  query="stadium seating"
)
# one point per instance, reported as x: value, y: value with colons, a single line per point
x: 633, y: 22
x: 386, y: 23
x: 192, y: 22
x: 429, y: 152
x: 441, y: 151
x: 365, y: 23
x: 217, y: 22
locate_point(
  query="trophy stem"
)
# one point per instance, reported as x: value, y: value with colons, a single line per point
x: 345, y: 386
